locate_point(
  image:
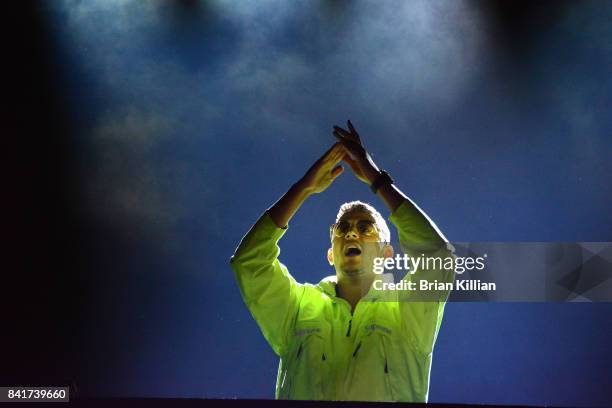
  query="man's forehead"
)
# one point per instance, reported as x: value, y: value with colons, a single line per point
x: 357, y: 215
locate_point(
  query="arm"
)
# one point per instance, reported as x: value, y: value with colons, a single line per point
x: 268, y: 290
x: 422, y: 311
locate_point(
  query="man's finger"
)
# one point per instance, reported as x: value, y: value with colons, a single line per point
x: 345, y: 141
x: 354, y: 136
x: 342, y: 140
x: 333, y: 156
x: 353, y: 130
x: 350, y: 154
x: 338, y: 170
x: 343, y: 137
x: 350, y: 126
x: 339, y: 151
x: 337, y: 157
x: 336, y: 147
x: 343, y: 132
x: 352, y: 146
x: 350, y: 161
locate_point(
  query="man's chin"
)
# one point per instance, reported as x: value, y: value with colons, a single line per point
x: 352, y: 270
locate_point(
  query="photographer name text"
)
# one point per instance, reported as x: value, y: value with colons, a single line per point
x: 425, y: 285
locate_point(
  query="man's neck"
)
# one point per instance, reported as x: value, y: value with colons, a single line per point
x: 353, y: 289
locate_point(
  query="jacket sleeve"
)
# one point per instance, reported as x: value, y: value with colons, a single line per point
x: 422, y: 311
x: 269, y: 291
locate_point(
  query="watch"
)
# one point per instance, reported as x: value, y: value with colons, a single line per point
x: 382, y: 179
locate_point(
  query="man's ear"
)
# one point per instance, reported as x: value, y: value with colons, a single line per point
x: 387, y: 251
x: 330, y: 256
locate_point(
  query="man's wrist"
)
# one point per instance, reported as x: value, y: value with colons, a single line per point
x: 371, y: 173
x: 383, y: 179
x: 302, y: 189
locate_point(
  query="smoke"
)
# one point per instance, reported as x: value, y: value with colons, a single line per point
x: 183, y: 71
x: 214, y: 80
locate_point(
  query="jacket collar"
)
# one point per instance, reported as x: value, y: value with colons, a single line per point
x: 328, y: 286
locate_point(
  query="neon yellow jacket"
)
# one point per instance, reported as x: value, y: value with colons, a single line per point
x: 382, y: 352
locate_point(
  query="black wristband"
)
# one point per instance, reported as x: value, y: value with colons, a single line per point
x: 382, y: 179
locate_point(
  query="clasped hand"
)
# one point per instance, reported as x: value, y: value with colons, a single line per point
x: 348, y: 148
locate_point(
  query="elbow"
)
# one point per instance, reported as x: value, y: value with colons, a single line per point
x: 242, y: 263
x: 234, y: 261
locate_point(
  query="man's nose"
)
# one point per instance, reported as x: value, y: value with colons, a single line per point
x: 352, y: 234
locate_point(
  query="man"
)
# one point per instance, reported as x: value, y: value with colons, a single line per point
x: 345, y: 339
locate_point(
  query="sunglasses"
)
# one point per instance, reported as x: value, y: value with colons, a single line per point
x: 365, y: 228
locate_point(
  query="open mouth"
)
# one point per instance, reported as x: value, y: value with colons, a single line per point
x: 352, y: 251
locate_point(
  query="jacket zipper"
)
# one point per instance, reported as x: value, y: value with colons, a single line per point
x: 348, y: 333
x: 285, y: 382
x: 384, y: 345
x: 297, y: 357
x: 387, y: 378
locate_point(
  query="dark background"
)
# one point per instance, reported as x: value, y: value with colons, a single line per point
x: 144, y: 138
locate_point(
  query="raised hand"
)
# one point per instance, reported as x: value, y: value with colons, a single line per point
x: 357, y: 157
x: 325, y: 170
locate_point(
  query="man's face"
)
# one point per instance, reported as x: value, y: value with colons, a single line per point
x: 355, y: 244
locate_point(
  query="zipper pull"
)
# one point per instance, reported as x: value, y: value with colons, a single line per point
x: 348, y: 333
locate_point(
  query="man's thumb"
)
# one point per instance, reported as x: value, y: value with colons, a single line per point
x: 338, y: 170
